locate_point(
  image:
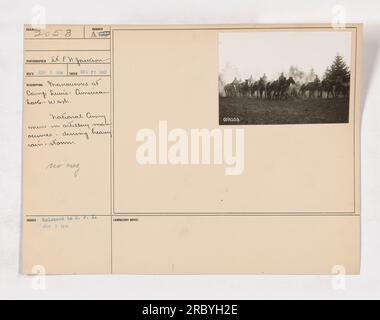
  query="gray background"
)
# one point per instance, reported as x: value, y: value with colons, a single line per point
x: 14, y: 13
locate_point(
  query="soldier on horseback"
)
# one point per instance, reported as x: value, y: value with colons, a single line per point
x: 281, y: 79
x: 261, y: 86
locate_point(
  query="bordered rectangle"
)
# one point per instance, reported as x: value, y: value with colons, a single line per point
x: 222, y: 28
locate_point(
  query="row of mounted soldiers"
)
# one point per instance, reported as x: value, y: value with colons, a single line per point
x: 283, y: 88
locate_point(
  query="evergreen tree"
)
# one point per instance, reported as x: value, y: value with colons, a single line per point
x: 338, y: 71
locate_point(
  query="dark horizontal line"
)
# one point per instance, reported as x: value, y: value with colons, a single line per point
x: 34, y: 50
x: 237, y: 214
x: 242, y: 212
x: 333, y: 214
x: 68, y: 215
x: 66, y: 38
x: 192, y: 215
x: 64, y: 63
x: 236, y: 28
x: 72, y: 75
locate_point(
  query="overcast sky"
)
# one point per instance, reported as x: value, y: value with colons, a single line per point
x: 257, y: 53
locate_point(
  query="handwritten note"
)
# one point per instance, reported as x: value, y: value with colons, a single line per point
x: 67, y: 119
x: 60, y: 127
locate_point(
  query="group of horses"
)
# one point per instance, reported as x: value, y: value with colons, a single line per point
x: 283, y: 88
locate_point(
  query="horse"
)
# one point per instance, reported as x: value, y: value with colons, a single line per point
x: 272, y: 89
x: 253, y: 88
x: 279, y: 89
x: 326, y: 86
x: 311, y: 87
x: 230, y: 90
x: 342, y: 88
x: 293, y: 90
x: 244, y: 88
x: 261, y: 88
x: 302, y: 91
x: 284, y: 87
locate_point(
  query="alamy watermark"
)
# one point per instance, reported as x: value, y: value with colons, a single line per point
x: 338, y: 280
x: 338, y: 17
x: 39, y: 277
x: 192, y: 147
x: 39, y: 17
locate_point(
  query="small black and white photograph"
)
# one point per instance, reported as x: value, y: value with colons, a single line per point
x: 284, y: 77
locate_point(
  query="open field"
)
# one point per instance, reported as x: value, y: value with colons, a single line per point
x: 250, y: 110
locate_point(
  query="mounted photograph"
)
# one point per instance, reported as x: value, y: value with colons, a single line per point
x: 284, y: 77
